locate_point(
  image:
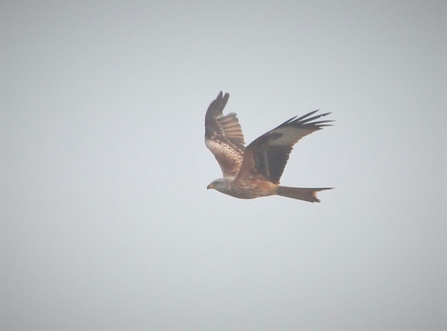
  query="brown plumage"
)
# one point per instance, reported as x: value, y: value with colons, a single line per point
x: 254, y: 171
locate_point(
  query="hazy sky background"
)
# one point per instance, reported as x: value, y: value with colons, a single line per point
x: 106, y: 223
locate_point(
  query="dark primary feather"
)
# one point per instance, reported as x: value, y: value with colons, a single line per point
x: 268, y: 154
x: 304, y: 120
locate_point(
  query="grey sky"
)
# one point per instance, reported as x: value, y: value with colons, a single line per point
x: 106, y: 223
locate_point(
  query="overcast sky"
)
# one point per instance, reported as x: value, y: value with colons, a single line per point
x: 106, y: 223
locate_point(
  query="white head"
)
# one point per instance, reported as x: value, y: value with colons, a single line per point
x: 221, y: 185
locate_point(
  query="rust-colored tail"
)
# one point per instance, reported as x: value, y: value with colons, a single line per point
x: 306, y: 194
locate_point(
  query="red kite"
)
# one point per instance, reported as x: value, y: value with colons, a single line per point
x: 254, y: 171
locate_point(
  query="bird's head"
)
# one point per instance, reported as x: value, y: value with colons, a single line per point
x: 220, y: 184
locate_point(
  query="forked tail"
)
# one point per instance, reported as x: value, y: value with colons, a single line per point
x: 306, y: 194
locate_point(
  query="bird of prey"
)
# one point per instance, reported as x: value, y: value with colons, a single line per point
x: 254, y: 171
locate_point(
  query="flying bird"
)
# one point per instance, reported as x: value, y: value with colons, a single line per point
x: 254, y: 171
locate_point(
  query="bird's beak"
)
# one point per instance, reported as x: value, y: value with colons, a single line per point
x: 210, y: 186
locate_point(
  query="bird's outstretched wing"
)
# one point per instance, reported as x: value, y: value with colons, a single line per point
x: 223, y: 136
x: 268, y: 154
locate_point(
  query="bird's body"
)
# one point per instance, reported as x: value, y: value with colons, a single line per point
x: 254, y: 171
x: 249, y: 188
